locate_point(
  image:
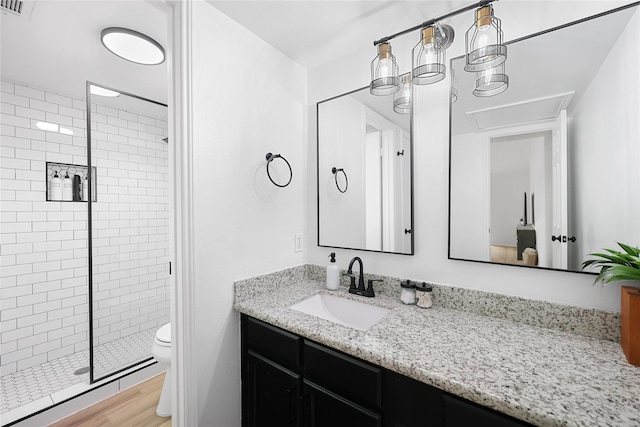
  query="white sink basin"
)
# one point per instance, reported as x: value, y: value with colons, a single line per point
x: 344, y: 311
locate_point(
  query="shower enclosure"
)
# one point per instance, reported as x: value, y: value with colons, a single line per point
x: 84, y: 283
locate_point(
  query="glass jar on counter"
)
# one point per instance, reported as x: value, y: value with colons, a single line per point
x: 424, y: 295
x: 407, y: 292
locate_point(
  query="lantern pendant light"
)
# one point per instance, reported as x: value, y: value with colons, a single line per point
x: 384, y: 72
x: 428, y: 58
x: 402, y: 98
x: 491, y: 82
x: 484, y: 44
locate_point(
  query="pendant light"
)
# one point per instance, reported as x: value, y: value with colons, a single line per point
x: 485, y: 56
x: 428, y: 58
x: 384, y: 72
x: 483, y: 41
x: 491, y: 82
x: 402, y: 98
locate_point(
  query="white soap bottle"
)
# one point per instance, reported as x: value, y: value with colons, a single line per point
x: 333, y: 273
x: 85, y: 190
x: 67, y: 188
x: 56, y: 187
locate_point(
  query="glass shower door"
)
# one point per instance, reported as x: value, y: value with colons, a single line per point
x: 129, y: 219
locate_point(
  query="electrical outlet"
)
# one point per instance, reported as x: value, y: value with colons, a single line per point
x: 298, y: 242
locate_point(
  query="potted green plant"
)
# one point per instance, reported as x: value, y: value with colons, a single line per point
x: 616, y: 266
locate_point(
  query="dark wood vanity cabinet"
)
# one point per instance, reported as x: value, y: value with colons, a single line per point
x: 291, y: 381
x: 272, y: 394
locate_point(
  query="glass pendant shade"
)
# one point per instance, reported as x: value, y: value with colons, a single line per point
x: 428, y: 58
x: 402, y: 98
x: 485, y: 48
x: 491, y: 82
x: 384, y: 72
x: 454, y: 87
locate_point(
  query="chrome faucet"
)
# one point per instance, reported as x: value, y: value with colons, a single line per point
x: 360, y: 290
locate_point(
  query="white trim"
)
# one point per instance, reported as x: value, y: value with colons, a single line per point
x: 184, y: 380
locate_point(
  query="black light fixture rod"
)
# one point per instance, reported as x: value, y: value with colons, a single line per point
x: 433, y: 21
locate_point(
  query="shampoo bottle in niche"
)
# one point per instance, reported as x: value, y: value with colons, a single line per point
x: 56, y: 187
x: 77, y: 188
x: 67, y: 188
x: 85, y: 190
x: 333, y: 273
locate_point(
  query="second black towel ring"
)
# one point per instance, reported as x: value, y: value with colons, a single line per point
x: 270, y: 157
x: 335, y: 171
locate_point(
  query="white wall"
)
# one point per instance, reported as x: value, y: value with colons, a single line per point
x: 344, y: 129
x: 470, y: 238
x: 248, y: 99
x: 612, y: 199
x: 431, y: 169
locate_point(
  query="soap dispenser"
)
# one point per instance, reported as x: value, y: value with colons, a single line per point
x: 67, y: 188
x: 333, y: 273
x: 56, y: 187
x: 85, y: 190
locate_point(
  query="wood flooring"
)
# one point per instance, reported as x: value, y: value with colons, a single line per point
x: 504, y: 255
x: 133, y: 407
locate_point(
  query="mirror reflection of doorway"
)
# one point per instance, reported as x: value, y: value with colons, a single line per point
x: 519, y: 166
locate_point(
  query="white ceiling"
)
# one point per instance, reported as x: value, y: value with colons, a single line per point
x: 315, y: 32
x: 56, y: 46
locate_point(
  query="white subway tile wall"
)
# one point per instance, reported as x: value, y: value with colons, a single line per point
x: 43, y: 252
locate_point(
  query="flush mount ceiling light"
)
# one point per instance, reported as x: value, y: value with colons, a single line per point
x: 132, y: 46
x: 428, y: 56
x: 483, y: 41
x: 402, y: 98
x: 384, y: 72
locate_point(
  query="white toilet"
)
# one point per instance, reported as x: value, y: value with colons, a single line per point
x: 161, y: 351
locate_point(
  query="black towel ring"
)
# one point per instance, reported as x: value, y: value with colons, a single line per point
x: 270, y: 157
x: 335, y: 171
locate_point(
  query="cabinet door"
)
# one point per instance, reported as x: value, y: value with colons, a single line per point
x: 410, y: 403
x: 323, y: 408
x: 460, y: 413
x: 353, y: 379
x: 272, y: 394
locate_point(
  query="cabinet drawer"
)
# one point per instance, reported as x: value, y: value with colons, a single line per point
x: 353, y: 379
x: 273, y: 343
x: 323, y: 408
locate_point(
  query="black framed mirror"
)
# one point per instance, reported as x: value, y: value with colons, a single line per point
x: 364, y: 175
x: 547, y: 172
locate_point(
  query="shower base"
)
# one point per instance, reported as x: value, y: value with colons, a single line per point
x: 29, y: 390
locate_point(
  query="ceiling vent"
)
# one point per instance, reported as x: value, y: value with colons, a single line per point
x: 529, y: 111
x: 16, y: 7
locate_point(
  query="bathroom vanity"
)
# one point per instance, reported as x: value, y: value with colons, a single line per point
x: 440, y: 365
x: 288, y: 380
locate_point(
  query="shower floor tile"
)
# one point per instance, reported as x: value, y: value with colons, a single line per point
x: 28, y: 385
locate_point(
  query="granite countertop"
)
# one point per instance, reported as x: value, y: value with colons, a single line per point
x: 543, y: 376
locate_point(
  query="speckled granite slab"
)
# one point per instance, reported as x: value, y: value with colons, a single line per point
x: 601, y: 324
x: 544, y: 376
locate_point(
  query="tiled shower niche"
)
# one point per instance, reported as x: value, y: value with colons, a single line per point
x: 62, y: 169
